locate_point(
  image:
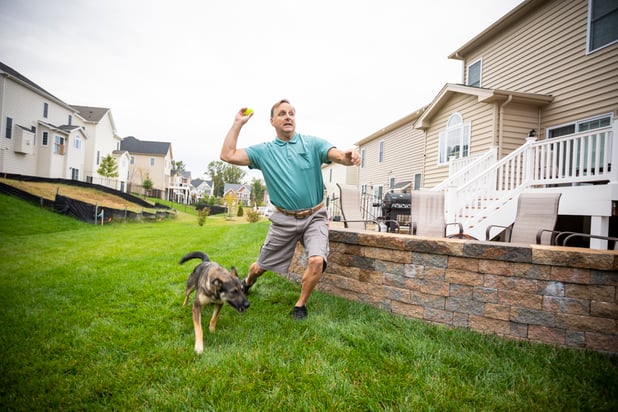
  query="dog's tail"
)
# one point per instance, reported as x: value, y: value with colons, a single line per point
x: 194, y: 255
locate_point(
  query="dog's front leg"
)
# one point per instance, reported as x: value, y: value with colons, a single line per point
x: 197, y: 326
x: 215, y: 315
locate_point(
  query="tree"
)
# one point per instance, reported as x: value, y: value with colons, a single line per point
x: 108, y: 167
x: 258, y: 189
x: 147, y: 184
x: 178, y: 165
x: 222, y: 173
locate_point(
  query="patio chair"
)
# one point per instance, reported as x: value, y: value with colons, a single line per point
x: 349, y: 196
x: 569, y: 239
x: 428, y: 215
x: 536, y: 215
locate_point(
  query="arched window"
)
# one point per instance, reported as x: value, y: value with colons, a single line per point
x: 454, y: 140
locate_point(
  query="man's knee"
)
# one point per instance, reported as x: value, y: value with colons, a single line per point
x: 316, y: 264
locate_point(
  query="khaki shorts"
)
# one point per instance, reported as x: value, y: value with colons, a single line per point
x: 285, y: 231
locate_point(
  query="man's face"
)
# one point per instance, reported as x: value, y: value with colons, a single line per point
x: 284, y: 120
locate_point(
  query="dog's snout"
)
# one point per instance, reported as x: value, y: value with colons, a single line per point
x: 246, y: 304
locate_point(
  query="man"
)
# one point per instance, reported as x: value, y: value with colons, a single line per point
x: 291, y: 165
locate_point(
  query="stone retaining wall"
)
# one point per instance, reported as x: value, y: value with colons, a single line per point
x: 556, y: 295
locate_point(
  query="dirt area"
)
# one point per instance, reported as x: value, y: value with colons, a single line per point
x: 88, y: 195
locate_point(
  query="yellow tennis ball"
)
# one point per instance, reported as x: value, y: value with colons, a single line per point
x: 248, y: 111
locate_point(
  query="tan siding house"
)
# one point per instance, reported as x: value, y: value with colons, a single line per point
x: 392, y: 157
x: 542, y: 47
x: 546, y: 70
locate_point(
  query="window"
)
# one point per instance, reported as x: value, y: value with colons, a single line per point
x: 98, y: 157
x: 70, y: 120
x: 417, y: 181
x: 59, y: 145
x: 74, y: 173
x: 474, y: 74
x: 602, y: 23
x: 330, y: 175
x: 391, y: 183
x: 381, y: 152
x: 580, y: 126
x: 362, y: 165
x: 152, y: 161
x: 45, y: 110
x: 9, y: 128
x: 45, y: 139
x: 132, y: 160
x: 587, y: 144
x: 454, y: 142
x: 77, y: 143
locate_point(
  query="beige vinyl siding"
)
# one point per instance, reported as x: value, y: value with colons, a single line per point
x: 546, y: 53
x: 518, y: 120
x: 481, y: 118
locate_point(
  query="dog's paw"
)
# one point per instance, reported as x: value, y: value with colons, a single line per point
x: 199, y: 349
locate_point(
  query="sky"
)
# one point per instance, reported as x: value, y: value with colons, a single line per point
x: 178, y: 71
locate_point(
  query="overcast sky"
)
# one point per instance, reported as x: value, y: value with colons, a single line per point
x: 177, y: 71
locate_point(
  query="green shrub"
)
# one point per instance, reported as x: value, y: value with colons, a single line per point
x: 240, y: 212
x: 253, y: 216
x: 202, y: 214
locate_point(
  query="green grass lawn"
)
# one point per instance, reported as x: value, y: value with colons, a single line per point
x: 91, y: 319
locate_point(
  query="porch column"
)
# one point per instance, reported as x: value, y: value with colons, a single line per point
x: 599, y: 225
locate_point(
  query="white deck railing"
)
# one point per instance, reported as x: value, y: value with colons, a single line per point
x: 473, y: 196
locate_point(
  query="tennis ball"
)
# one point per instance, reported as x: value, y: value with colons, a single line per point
x: 248, y: 111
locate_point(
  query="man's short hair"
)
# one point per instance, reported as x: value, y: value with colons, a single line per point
x: 279, y: 103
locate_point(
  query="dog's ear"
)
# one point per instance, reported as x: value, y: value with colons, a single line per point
x: 234, y: 272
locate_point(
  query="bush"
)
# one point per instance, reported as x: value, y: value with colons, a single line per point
x: 240, y: 212
x: 253, y: 216
x: 201, y: 216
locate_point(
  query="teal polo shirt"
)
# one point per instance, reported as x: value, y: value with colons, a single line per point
x: 292, y: 170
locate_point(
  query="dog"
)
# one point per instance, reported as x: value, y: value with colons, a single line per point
x: 215, y: 285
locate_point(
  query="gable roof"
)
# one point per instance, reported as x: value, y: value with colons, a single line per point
x: 136, y: 146
x: 236, y: 187
x: 404, y: 120
x: 24, y: 81
x: 519, y: 12
x: 483, y: 95
x: 91, y: 114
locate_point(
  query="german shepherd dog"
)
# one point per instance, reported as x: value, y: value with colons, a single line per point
x: 213, y: 285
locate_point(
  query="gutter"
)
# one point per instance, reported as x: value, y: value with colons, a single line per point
x: 501, y: 125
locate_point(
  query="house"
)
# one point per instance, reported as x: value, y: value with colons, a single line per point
x: 201, y: 188
x: 241, y: 192
x: 103, y: 140
x: 46, y: 137
x: 149, y: 160
x: 180, y: 186
x: 537, y: 110
x: 41, y: 134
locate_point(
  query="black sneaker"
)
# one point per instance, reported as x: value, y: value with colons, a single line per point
x: 245, y: 287
x: 300, y: 312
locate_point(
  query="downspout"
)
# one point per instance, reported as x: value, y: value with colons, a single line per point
x: 501, y: 126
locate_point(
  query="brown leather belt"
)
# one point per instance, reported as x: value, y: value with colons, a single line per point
x: 301, y: 214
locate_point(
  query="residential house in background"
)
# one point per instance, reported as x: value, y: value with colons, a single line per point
x: 41, y: 134
x: 201, y: 189
x: 240, y: 191
x: 103, y: 140
x: 46, y: 137
x: 537, y: 110
x: 149, y: 160
x: 180, y: 187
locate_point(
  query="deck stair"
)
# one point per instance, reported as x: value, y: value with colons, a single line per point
x: 483, y: 190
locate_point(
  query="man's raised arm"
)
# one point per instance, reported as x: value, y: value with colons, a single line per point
x: 229, y: 152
